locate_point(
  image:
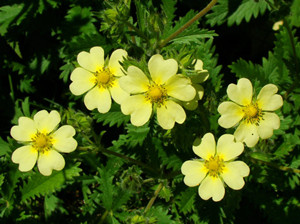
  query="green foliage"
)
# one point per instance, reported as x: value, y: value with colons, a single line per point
x: 40, y: 185
x: 234, y: 12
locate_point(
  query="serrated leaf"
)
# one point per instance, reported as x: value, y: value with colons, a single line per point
x: 246, y: 10
x: 136, y: 135
x: 168, y: 6
x: 295, y: 13
x: 161, y: 215
x: 121, y: 198
x: 218, y: 14
x: 195, y: 37
x: 41, y: 185
x: 179, y: 23
x: 186, y: 200
x: 66, y: 71
x: 8, y: 14
x: 112, y: 117
x: 4, y: 147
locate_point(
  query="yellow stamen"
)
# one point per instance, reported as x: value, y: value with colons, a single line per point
x: 214, y: 165
x: 104, y: 78
x: 253, y: 114
x: 156, y: 94
x: 41, y: 142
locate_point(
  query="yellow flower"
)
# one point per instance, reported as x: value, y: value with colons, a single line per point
x: 215, y: 167
x: 157, y: 93
x: 42, y: 142
x: 254, y: 115
x: 100, y: 81
x: 202, y: 76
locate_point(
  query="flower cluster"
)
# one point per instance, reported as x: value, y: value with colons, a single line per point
x: 255, y: 118
x: 139, y: 95
x: 162, y: 91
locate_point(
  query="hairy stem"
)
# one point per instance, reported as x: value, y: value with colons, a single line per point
x: 283, y: 168
x: 190, y: 22
x: 150, y: 203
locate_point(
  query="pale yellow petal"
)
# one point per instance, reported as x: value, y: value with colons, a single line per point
x: 50, y: 160
x: 267, y: 98
x: 98, y: 98
x: 233, y: 174
x: 138, y: 107
x: 26, y: 157
x: 198, y: 65
x: 266, y: 126
x: 117, y: 93
x: 46, y: 122
x: 247, y: 132
x: 227, y: 148
x: 194, y: 172
x: 241, y: 93
x: 206, y: 147
x: 135, y: 81
x: 83, y: 80
x: 169, y: 113
x: 199, y: 91
x: 231, y: 114
x: 24, y: 130
x: 114, y: 62
x: 212, y: 187
x: 63, y: 140
x: 161, y: 70
x: 180, y: 88
x: 92, y: 61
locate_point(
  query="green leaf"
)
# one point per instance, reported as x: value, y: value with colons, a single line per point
x: 4, y: 147
x: 295, y: 13
x: 168, y: 6
x: 113, y: 117
x: 186, y: 200
x: 41, y: 185
x: 121, y: 198
x: 66, y: 71
x: 160, y: 214
x: 137, y: 135
x: 218, y: 13
x: 50, y: 204
x: 179, y: 23
x: 9, y: 14
x: 195, y: 37
x: 246, y: 10
x: 106, y: 182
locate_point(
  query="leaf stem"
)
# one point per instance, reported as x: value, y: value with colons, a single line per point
x: 150, y: 203
x: 190, y: 22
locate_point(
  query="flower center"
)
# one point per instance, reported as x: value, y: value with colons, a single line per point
x: 104, y: 78
x: 253, y: 114
x: 156, y: 94
x: 41, y: 142
x: 214, y: 165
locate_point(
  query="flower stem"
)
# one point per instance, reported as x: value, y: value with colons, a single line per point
x: 103, y: 217
x: 190, y: 22
x: 283, y: 168
x: 150, y: 203
x: 129, y: 159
